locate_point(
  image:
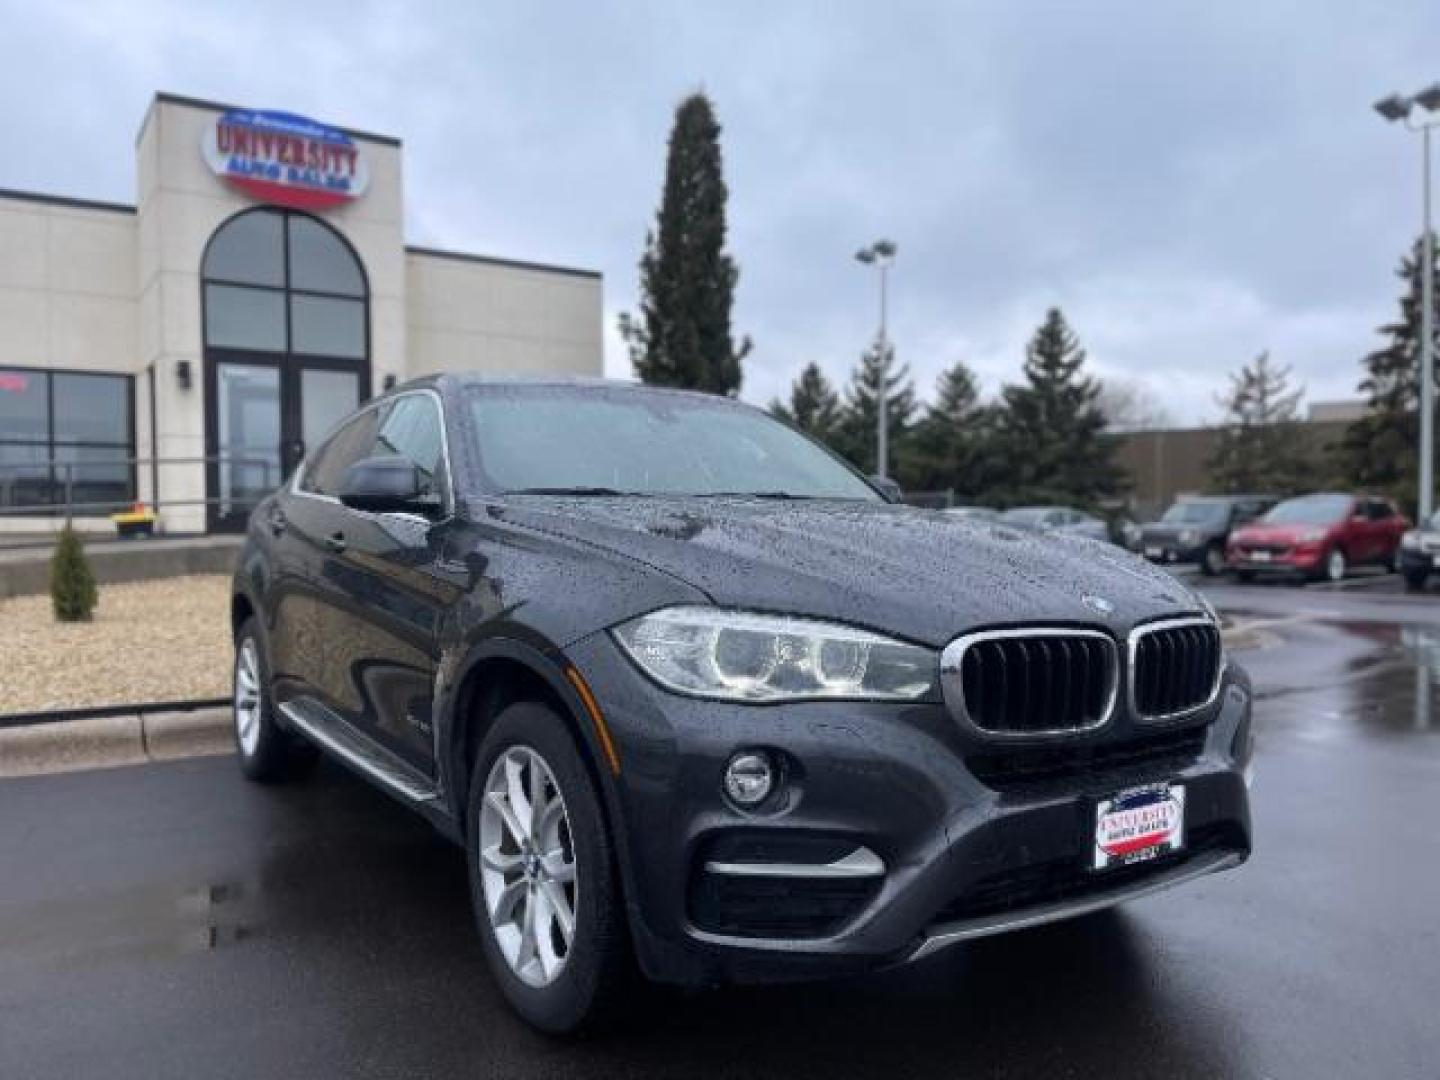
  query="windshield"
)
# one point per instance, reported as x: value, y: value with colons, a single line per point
x: 1311, y: 510
x: 1026, y: 515
x: 589, y: 440
x: 1195, y: 513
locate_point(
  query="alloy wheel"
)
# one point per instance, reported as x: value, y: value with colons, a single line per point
x: 247, y: 697
x: 527, y: 866
x: 1335, y: 565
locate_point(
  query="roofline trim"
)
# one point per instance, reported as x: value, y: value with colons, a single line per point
x: 220, y: 106
x: 495, y: 260
x: 66, y: 201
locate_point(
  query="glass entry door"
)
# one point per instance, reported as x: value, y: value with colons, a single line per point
x: 285, y: 312
x: 267, y: 414
x: 248, y: 433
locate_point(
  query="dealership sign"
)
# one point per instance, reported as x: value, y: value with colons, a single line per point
x: 285, y: 159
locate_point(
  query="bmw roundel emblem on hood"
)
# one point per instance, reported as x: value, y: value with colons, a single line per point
x: 1098, y: 604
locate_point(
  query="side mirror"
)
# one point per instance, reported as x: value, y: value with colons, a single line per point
x: 386, y: 485
x: 887, y: 487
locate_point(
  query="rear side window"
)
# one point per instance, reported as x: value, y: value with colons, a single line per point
x: 326, y: 470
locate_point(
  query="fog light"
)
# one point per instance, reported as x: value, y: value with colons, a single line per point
x: 749, y: 778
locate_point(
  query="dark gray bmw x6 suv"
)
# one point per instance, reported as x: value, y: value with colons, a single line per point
x: 699, y: 703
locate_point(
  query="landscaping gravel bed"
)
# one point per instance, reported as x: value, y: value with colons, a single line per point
x: 149, y: 641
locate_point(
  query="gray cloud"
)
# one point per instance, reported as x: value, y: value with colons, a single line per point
x: 1192, y: 182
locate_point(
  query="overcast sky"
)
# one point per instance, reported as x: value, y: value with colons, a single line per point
x: 1192, y: 182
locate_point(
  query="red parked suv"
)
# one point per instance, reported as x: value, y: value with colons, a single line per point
x: 1319, y: 536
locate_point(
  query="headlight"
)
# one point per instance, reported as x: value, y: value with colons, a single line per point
x: 1411, y: 540
x: 1189, y: 537
x: 741, y: 656
x: 1311, y: 536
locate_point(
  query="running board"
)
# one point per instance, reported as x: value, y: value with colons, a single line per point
x: 331, y: 733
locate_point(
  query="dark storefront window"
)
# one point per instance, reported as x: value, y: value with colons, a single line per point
x: 58, y: 425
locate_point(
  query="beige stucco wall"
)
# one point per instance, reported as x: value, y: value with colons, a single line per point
x: 67, y: 287
x: 467, y: 314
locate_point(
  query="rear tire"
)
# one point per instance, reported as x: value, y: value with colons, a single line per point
x: 267, y: 753
x: 520, y: 879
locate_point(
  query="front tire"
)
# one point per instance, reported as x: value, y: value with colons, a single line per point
x: 267, y: 754
x: 1212, y: 563
x: 542, y: 875
x: 1415, y: 581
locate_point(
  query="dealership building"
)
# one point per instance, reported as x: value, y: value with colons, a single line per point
x: 182, y: 351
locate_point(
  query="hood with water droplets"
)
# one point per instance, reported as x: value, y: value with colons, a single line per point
x: 917, y: 574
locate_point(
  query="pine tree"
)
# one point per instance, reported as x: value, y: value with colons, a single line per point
x: 682, y: 336
x: 73, y: 594
x: 856, y: 436
x: 949, y: 442
x: 1262, y: 446
x: 1380, y: 450
x: 1051, y: 428
x: 814, y: 405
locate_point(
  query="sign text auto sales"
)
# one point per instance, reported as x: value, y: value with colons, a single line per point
x: 285, y: 159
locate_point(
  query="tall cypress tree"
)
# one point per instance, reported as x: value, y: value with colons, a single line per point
x: 814, y: 405
x: 1380, y: 451
x: 1051, y: 428
x: 687, y: 281
x: 861, y: 413
x: 1262, y: 446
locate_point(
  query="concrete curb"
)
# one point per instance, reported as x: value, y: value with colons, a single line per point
x: 73, y: 745
x: 26, y: 572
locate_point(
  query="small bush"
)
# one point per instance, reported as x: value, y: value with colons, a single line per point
x: 72, y: 584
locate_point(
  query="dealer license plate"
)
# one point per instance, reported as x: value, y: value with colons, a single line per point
x: 1139, y: 824
x: 1259, y: 556
x: 1154, y: 552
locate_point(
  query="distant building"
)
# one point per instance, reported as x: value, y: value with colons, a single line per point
x: 1163, y: 465
x: 258, y: 289
x: 1345, y: 411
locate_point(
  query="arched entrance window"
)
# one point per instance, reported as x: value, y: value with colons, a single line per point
x: 286, y: 318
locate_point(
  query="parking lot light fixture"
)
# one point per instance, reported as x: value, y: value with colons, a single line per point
x: 880, y: 254
x: 1400, y: 109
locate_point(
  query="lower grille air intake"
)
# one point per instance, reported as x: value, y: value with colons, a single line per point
x: 1039, y: 681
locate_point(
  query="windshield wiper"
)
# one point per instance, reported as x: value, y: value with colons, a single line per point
x: 593, y: 491
x: 749, y: 495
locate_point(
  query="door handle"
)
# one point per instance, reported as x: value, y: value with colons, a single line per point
x: 335, y: 542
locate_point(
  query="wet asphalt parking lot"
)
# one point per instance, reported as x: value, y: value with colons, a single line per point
x: 175, y: 921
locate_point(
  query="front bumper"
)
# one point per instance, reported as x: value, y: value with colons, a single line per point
x: 959, y: 857
x: 1417, y: 562
x: 1172, y: 551
x: 1305, y: 559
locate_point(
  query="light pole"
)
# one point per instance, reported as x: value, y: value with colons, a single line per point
x: 881, y: 254
x: 1398, y: 108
